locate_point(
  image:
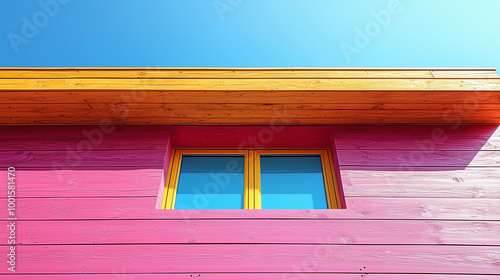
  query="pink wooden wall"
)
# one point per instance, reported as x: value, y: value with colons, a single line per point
x: 423, y: 202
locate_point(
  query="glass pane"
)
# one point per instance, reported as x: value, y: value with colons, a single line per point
x: 292, y: 182
x: 211, y: 182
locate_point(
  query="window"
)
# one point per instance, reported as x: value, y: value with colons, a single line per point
x: 251, y: 179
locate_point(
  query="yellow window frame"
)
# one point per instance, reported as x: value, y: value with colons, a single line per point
x: 252, y: 184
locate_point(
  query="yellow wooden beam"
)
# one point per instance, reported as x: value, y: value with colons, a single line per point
x: 253, y: 84
x: 248, y: 95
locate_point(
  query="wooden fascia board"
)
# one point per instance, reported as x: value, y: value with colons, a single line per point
x: 384, y: 95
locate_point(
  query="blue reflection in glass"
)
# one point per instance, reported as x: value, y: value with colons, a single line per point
x: 211, y: 182
x: 292, y: 182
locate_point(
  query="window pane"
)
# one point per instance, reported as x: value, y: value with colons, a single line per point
x: 292, y: 182
x: 211, y: 182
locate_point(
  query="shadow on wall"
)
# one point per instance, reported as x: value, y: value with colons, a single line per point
x: 419, y: 161
x: 382, y: 161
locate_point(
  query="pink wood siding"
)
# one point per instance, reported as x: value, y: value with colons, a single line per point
x: 423, y: 202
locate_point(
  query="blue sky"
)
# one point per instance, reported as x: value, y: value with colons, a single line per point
x: 250, y: 33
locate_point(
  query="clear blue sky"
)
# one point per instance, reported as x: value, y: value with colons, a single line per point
x: 250, y: 33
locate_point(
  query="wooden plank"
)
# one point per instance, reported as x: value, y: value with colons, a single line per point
x: 86, y: 182
x: 242, y: 110
x: 323, y: 232
x: 433, y: 120
x: 421, y: 182
x: 118, y: 274
x: 180, y: 107
x: 444, y: 74
x: 244, y: 116
x: 101, y: 137
x: 263, y: 258
x: 252, y: 84
x: 233, y: 99
x: 425, y: 143
x: 240, y: 73
x: 269, y: 136
x: 418, y: 158
x: 357, y: 208
x: 57, y: 160
x: 276, y: 97
x: 243, y: 73
x: 165, y: 111
x: 416, y: 131
x: 417, y: 137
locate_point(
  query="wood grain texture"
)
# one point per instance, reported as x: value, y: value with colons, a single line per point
x: 111, y: 137
x: 249, y: 73
x: 438, y: 218
x: 259, y: 258
x: 433, y: 138
x: 424, y: 143
x: 214, y: 84
x: 86, y: 182
x: 419, y: 132
x: 444, y: 74
x: 371, y: 142
x: 201, y: 97
x: 419, y: 158
x: 321, y: 232
x: 270, y: 136
x: 391, y: 120
x: 357, y: 208
x: 421, y: 182
x: 248, y: 96
x: 240, y: 111
x: 82, y: 158
x: 426, y: 138
x: 120, y: 274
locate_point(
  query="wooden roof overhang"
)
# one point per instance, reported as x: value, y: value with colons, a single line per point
x: 248, y: 96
